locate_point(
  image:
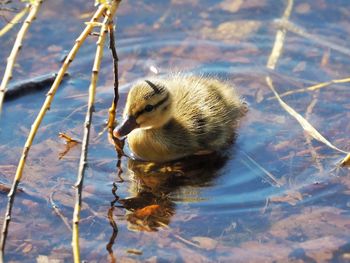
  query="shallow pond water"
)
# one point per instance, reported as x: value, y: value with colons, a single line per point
x: 274, y: 196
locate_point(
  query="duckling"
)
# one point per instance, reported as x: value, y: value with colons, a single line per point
x: 170, y: 118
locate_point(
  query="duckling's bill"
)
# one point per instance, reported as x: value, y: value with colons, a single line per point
x: 127, y: 126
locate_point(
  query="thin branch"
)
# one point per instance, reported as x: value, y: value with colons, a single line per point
x: 308, y: 138
x: 313, y: 87
x: 118, y: 144
x: 271, y: 64
x: 302, y: 121
x: 346, y: 161
x: 269, y: 177
x: 84, y: 150
x: 291, y: 27
x: 70, y: 143
x: 112, y: 109
x: 82, y: 165
x: 279, y: 40
x: 58, y: 212
x: 11, y: 60
x: 37, y: 122
x: 14, y: 20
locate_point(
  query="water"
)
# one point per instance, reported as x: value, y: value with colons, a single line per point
x: 228, y: 210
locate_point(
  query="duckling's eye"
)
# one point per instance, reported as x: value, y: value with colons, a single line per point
x: 149, y: 108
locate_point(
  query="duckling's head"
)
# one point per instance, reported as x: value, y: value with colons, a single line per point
x: 148, y: 106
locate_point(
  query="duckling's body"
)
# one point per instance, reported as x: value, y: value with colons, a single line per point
x: 179, y: 116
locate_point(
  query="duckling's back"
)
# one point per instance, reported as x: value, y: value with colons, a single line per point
x: 207, y: 109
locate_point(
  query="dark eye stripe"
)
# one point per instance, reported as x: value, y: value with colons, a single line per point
x: 155, y: 106
x: 161, y: 102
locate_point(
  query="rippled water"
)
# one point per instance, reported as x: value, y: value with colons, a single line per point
x: 266, y: 199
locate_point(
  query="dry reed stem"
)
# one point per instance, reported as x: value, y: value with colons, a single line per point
x: 58, y: 212
x: 271, y: 64
x: 11, y: 60
x: 67, y: 138
x: 279, y: 41
x: 308, y: 138
x: 269, y: 177
x: 70, y: 143
x: 287, y: 25
x: 302, y: 121
x: 186, y: 241
x: 83, y: 158
x: 346, y: 161
x: 313, y: 87
x: 14, y: 21
x: 37, y: 122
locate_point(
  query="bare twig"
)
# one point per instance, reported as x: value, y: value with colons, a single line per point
x: 269, y: 177
x: 84, y: 150
x: 82, y: 165
x: 186, y: 241
x: 58, y: 212
x: 302, y: 121
x: 67, y: 138
x: 14, y: 20
x: 70, y: 143
x: 313, y: 87
x: 279, y: 40
x: 346, y: 161
x: 271, y: 64
x: 308, y: 138
x: 11, y: 60
x: 118, y: 144
x: 38, y: 121
x: 288, y: 25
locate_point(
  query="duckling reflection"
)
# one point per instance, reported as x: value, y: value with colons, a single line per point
x: 156, y: 187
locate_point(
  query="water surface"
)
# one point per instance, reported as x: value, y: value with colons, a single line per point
x: 228, y: 210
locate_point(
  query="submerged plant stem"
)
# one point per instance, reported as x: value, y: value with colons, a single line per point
x: 37, y: 122
x: 11, y: 60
